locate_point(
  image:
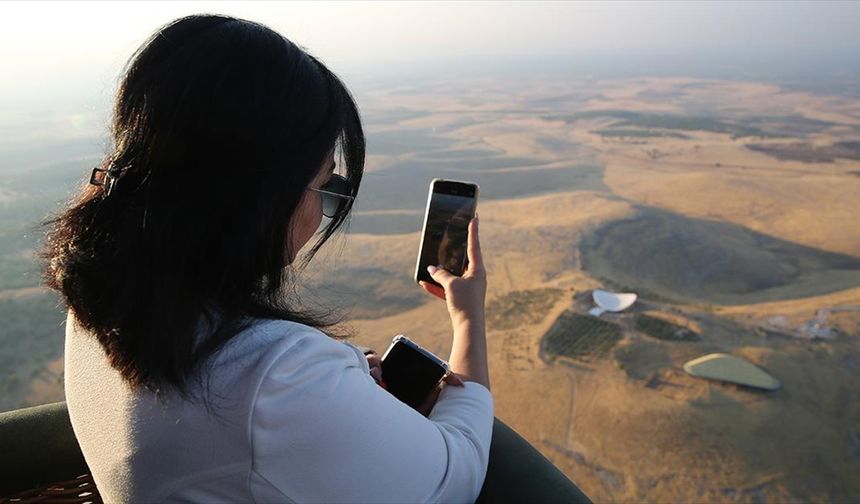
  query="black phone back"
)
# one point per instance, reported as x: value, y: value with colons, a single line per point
x: 409, y: 375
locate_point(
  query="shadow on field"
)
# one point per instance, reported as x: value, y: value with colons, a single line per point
x: 698, y: 260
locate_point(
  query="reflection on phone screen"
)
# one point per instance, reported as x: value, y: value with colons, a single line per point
x: 447, y: 231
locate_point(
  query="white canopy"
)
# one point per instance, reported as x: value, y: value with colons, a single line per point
x: 611, y: 301
x: 733, y: 369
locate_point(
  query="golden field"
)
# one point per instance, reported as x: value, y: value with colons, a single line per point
x: 729, y: 206
x: 650, y: 185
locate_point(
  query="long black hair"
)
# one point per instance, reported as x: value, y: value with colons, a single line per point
x: 219, y: 127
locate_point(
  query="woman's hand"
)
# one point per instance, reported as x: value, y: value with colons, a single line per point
x: 465, y: 298
x: 451, y: 379
x: 426, y: 407
x: 375, y: 364
x: 464, y: 295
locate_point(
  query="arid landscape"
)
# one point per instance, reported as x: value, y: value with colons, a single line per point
x: 730, y: 207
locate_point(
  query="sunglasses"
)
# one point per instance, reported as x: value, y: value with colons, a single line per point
x: 335, y: 193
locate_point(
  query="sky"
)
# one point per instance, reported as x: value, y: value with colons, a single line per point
x: 62, y: 56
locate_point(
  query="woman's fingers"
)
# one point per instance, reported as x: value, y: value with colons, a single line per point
x: 373, y: 359
x: 376, y: 373
x: 375, y: 365
x: 442, y: 276
x: 433, y: 289
x: 453, y: 379
x: 427, y: 406
x: 473, y: 250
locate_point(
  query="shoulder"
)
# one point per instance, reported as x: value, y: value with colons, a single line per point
x: 314, y: 361
x: 282, y: 346
x: 267, y: 336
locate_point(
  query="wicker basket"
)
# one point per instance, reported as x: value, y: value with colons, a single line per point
x: 81, y: 490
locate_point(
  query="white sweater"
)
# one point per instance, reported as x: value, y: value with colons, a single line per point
x: 297, y: 419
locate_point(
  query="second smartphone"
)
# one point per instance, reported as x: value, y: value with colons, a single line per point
x: 410, y: 372
x: 451, y: 205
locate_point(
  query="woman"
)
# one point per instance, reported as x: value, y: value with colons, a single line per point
x: 190, y: 373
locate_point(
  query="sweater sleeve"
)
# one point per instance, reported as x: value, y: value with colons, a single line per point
x: 323, y: 431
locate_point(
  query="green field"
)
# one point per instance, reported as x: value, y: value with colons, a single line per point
x: 662, y: 329
x: 580, y: 336
x: 32, y: 334
x: 809, y: 153
x: 31, y: 321
x: 627, y: 118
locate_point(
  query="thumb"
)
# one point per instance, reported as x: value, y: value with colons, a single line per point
x: 453, y: 379
x: 441, y: 275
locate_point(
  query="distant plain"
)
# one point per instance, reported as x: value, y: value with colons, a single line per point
x: 729, y: 206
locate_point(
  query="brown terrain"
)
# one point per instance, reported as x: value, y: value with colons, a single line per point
x: 730, y: 207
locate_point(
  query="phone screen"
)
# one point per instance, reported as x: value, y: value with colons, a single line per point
x: 409, y: 375
x: 446, y: 228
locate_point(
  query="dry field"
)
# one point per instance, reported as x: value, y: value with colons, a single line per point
x: 726, y: 205
x: 661, y: 194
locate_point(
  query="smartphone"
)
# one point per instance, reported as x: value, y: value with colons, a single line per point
x: 451, y: 205
x: 410, y: 372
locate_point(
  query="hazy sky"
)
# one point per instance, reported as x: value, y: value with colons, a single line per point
x: 56, y: 55
x: 42, y: 38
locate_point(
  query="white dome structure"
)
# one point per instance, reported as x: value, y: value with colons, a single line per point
x: 728, y: 368
x: 611, y: 301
